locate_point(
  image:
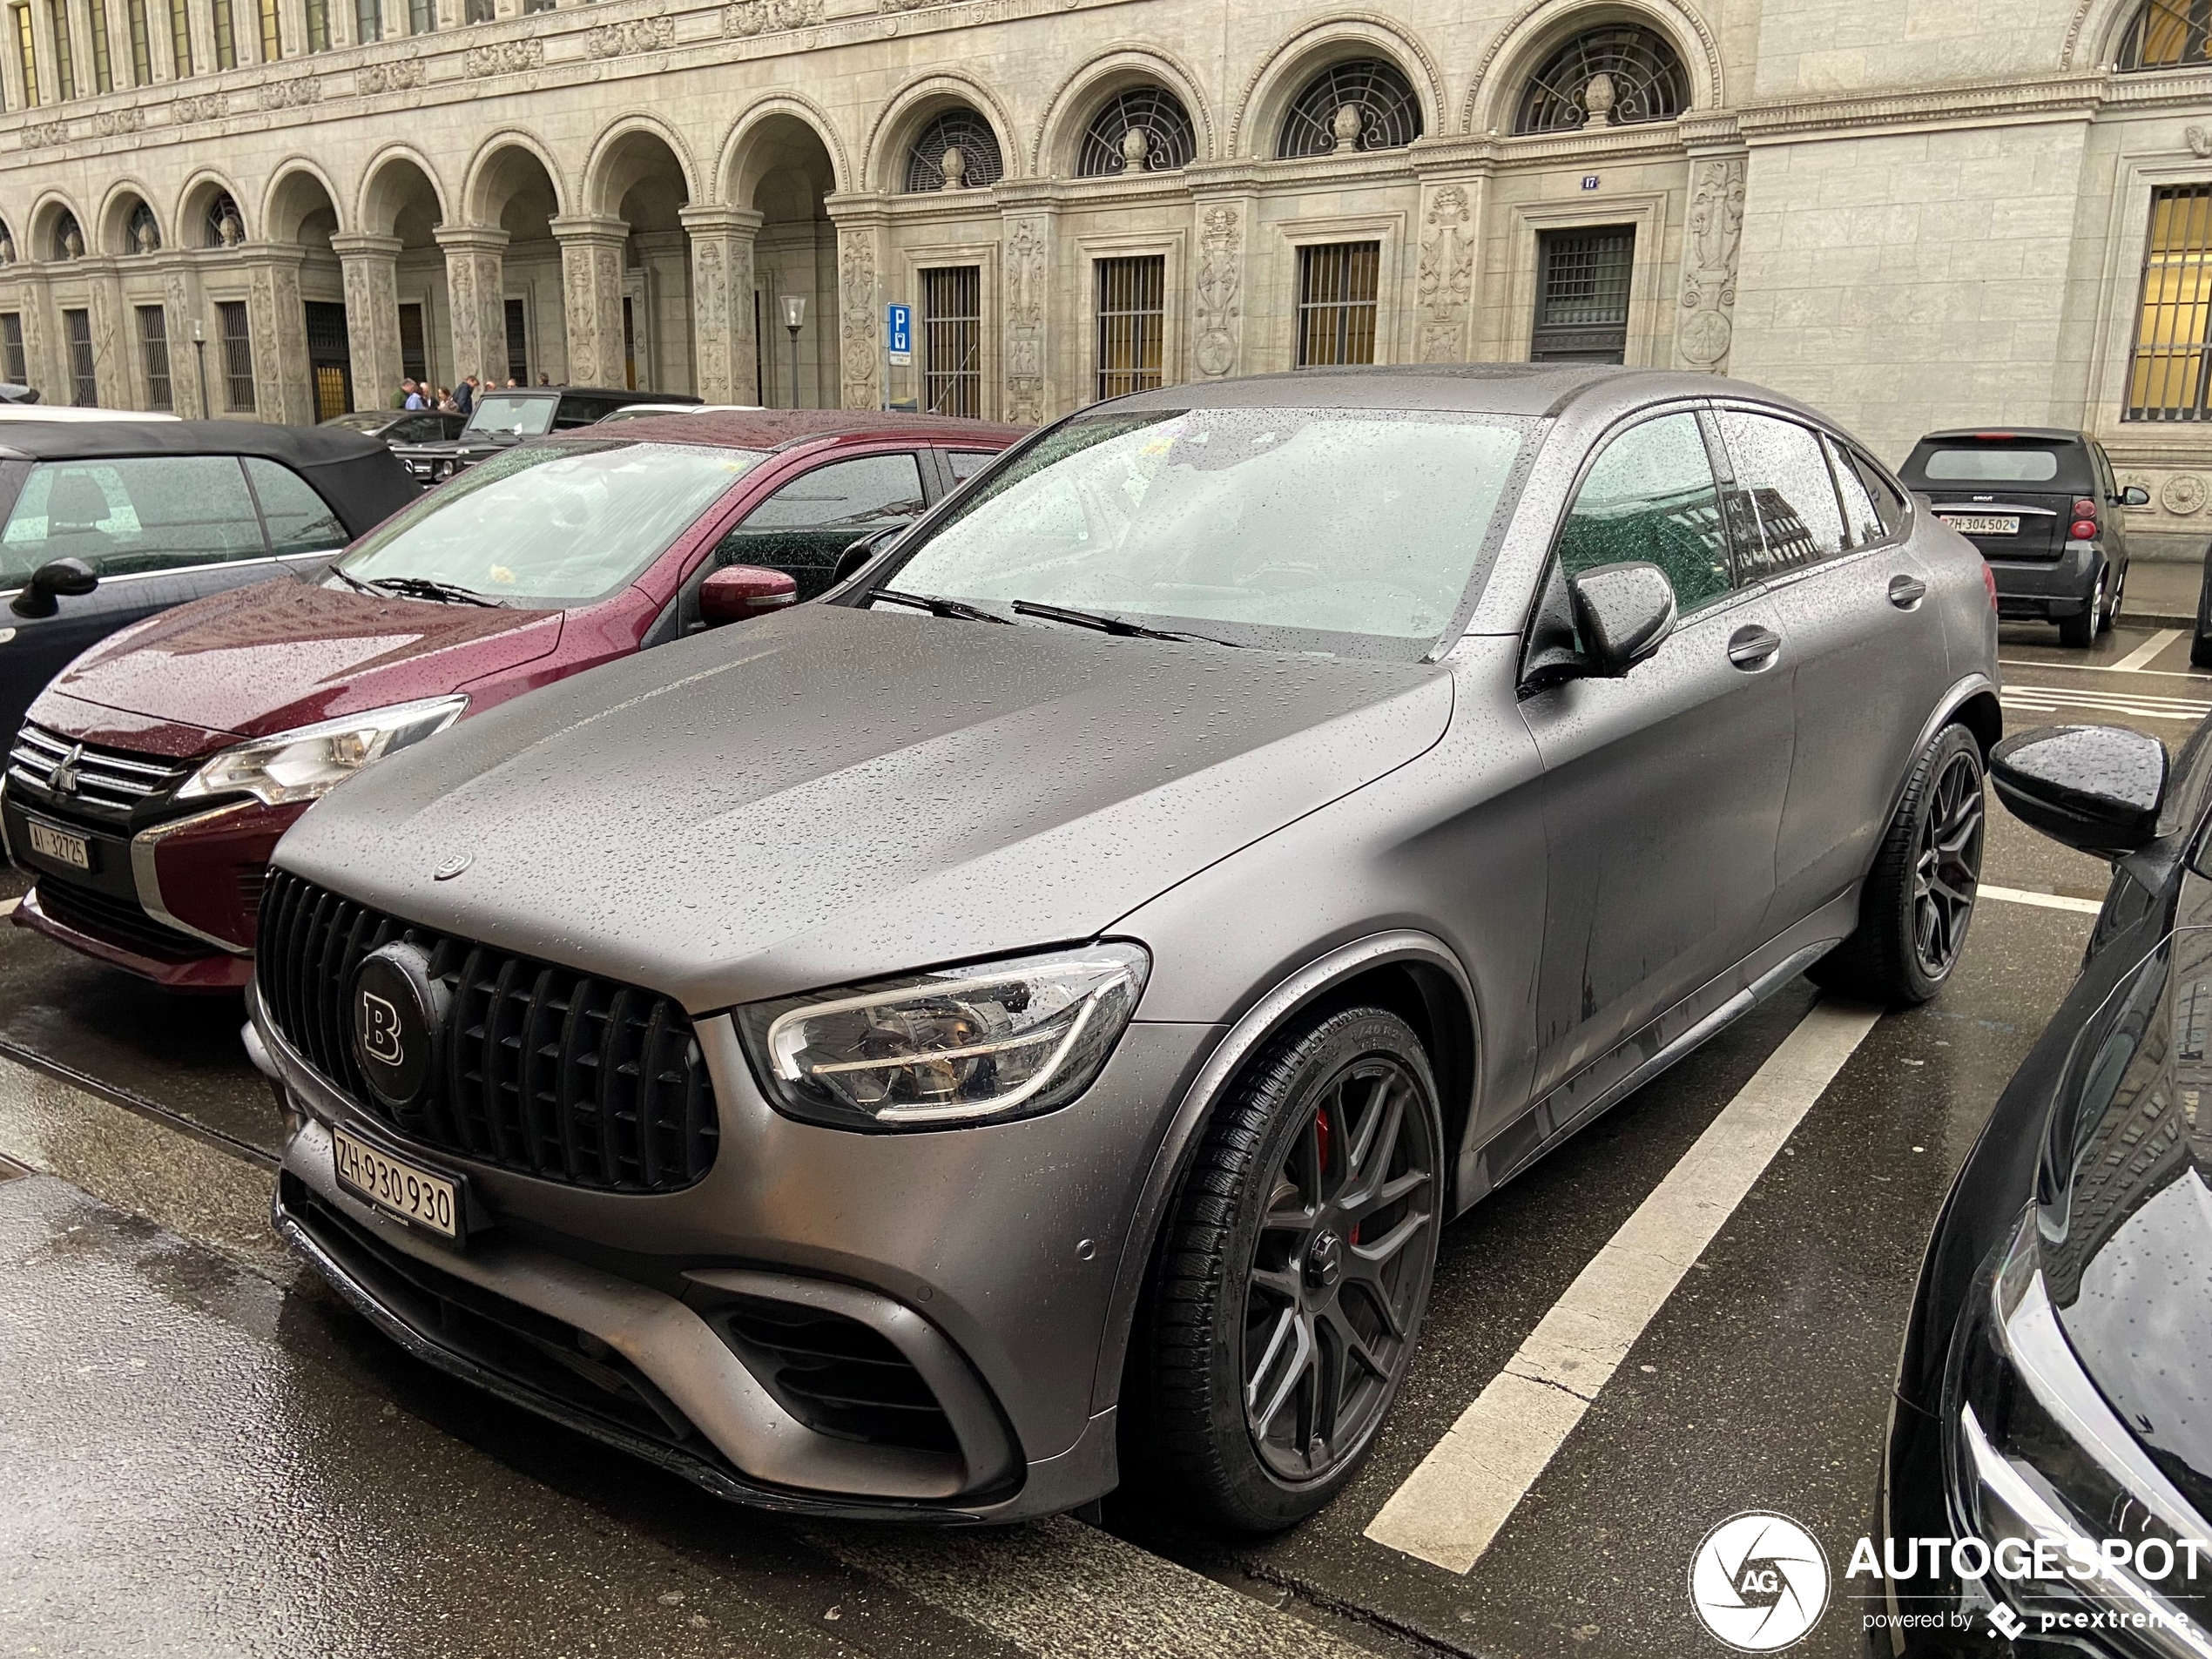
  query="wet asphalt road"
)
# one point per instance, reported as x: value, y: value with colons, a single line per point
x: 203, y: 1453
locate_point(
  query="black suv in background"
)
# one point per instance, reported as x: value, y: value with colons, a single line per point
x: 2043, y: 507
x: 504, y: 419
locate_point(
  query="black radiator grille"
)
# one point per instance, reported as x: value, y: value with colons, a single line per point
x: 546, y: 1071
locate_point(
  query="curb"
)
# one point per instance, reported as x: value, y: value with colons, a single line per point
x: 2156, y: 619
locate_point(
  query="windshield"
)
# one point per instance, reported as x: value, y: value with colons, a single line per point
x: 1325, y: 521
x: 1991, y: 466
x: 365, y: 421
x: 525, y: 417
x: 551, y: 524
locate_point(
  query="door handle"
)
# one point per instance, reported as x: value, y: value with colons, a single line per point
x: 1907, y: 591
x: 1753, y: 647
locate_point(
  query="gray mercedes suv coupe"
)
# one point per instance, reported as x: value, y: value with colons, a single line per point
x: 1019, y: 1021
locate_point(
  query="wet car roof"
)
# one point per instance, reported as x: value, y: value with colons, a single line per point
x: 774, y: 428
x: 1484, y: 388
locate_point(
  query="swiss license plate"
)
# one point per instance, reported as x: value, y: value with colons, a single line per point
x: 1982, y: 524
x: 399, y: 1189
x: 59, y: 845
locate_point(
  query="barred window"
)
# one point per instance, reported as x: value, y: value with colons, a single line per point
x: 69, y: 240
x: 518, y: 343
x: 153, y: 352
x: 141, y: 43
x: 1132, y: 323
x: 959, y: 129
x: 415, y: 351
x: 64, y: 74
x: 222, y: 212
x: 1616, y: 76
x: 102, y: 70
x: 952, y: 340
x: 180, y: 37
x: 17, y: 366
x: 1336, y: 303
x: 1583, y: 278
x: 1143, y: 130
x: 238, y: 358
x: 83, y: 379
x: 2170, y: 375
x: 2166, y: 34
x: 1363, y: 104
x: 143, y: 235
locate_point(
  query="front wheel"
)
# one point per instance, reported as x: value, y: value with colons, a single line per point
x: 1918, y: 899
x: 1290, y: 1285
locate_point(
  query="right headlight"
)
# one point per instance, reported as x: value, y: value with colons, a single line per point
x: 960, y: 1045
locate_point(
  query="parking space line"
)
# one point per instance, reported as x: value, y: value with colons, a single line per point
x: 2056, y: 699
x: 2102, y: 668
x: 2140, y: 658
x: 7, y: 907
x: 1459, y: 1499
x: 2047, y: 900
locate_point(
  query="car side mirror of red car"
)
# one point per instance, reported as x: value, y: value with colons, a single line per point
x: 737, y: 591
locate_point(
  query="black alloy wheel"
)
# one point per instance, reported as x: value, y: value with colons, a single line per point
x: 1289, y: 1286
x: 1946, y: 870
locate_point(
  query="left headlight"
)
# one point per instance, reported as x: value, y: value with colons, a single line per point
x: 310, y: 761
x: 962, y: 1045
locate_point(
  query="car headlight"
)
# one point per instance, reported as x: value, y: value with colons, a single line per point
x: 961, y: 1045
x: 310, y: 761
x: 2036, y: 1456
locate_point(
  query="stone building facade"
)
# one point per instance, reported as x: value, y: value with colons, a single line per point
x: 1913, y: 212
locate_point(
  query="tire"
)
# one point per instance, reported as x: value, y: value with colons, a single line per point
x: 2201, y: 641
x: 1261, y: 1287
x: 2111, y: 612
x: 1919, y: 901
x: 2078, y: 633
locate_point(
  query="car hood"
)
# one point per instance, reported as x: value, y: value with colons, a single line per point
x: 457, y: 446
x: 832, y: 794
x: 255, y: 660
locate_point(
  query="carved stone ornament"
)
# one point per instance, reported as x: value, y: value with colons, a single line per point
x: 110, y: 124
x: 2182, y: 494
x: 1345, y: 126
x: 395, y: 75
x: 751, y: 18
x: 1137, y: 147
x: 72, y: 243
x: 7, y: 249
x: 1025, y: 312
x: 1598, y: 99
x: 953, y: 165
x: 1445, y: 279
x: 203, y: 106
x: 291, y: 94
x: 906, y: 5
x: 638, y: 35
x: 1713, y: 239
x: 856, y: 313
x: 41, y: 134
x: 145, y: 238
x: 2199, y: 140
x: 1220, y: 281
x: 504, y: 58
x: 231, y: 231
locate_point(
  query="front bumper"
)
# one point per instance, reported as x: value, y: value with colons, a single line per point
x: 987, y: 1256
x: 2047, y: 589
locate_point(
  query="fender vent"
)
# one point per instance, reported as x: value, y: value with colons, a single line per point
x: 836, y: 1375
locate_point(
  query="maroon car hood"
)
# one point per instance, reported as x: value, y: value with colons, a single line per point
x: 283, y: 654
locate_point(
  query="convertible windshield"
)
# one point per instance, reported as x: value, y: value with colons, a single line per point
x: 526, y: 417
x: 556, y: 523
x: 1316, y: 520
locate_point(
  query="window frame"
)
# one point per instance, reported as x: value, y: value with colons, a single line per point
x: 11, y: 490
x: 1819, y: 430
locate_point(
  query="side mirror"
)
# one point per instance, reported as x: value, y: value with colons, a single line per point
x: 1622, y: 614
x: 857, y: 555
x: 737, y: 591
x: 62, y: 578
x: 2135, y: 496
x: 2095, y: 787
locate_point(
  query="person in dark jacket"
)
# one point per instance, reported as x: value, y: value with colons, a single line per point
x: 464, y: 395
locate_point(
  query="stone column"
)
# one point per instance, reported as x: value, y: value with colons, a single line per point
x: 112, y: 366
x: 1026, y: 260
x: 180, y: 308
x: 476, y: 289
x: 1443, y: 277
x: 723, y: 343
x: 40, y: 364
x: 1217, y: 314
x: 1705, y: 326
x: 371, y: 267
x: 860, y: 315
x: 279, y: 322
x: 591, y: 262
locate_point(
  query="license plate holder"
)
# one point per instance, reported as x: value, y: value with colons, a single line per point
x: 399, y: 1187
x: 64, y: 849
x: 1982, y: 524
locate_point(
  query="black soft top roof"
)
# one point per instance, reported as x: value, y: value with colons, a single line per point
x: 363, y: 481
x: 2002, y: 434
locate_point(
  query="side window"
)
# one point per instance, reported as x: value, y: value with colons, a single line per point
x: 298, y: 520
x: 1861, y: 523
x: 806, y: 523
x: 127, y: 516
x: 1782, y: 481
x: 1650, y: 495
x: 967, y: 464
x: 1889, y: 501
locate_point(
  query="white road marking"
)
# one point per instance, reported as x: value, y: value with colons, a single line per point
x: 2141, y: 657
x: 2047, y: 900
x: 7, y: 907
x: 2066, y: 699
x: 2102, y: 668
x: 1460, y: 1496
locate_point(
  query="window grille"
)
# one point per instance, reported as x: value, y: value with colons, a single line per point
x: 238, y: 357
x: 2166, y: 34
x: 518, y: 344
x: 415, y: 355
x: 2170, y: 377
x: 1389, y: 114
x: 83, y: 379
x: 143, y: 234
x: 11, y: 341
x: 1583, y: 278
x: 1336, y: 303
x: 1132, y: 323
x: 220, y: 209
x: 1643, y: 73
x: 65, y: 233
x: 952, y: 339
x: 1169, y: 141
x: 153, y: 354
x: 959, y: 129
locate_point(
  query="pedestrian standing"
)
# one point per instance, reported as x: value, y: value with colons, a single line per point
x: 464, y: 395
x: 415, y: 398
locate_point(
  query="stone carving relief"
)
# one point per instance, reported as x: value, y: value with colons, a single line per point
x: 750, y: 17
x: 203, y: 106
x: 2199, y: 140
x: 40, y: 134
x: 1025, y: 280
x: 2182, y: 494
x: 1715, y: 237
x: 1445, y: 280
x: 906, y: 5
x: 393, y: 77
x: 291, y: 94
x: 110, y: 124
x: 856, y: 309
x: 710, y: 292
x: 638, y: 35
x: 261, y: 302
x: 503, y: 57
x: 1221, y: 281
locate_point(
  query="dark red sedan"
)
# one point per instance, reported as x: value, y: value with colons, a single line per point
x: 151, y: 779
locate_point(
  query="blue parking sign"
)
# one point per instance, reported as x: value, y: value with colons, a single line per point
x: 901, y: 329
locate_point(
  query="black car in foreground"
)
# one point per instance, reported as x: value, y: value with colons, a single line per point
x: 2049, y: 1465
x: 103, y: 523
x: 2043, y: 506
x: 502, y: 419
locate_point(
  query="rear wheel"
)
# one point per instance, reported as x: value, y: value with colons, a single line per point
x: 1290, y: 1287
x: 1919, y: 897
x: 2111, y: 612
x: 2201, y: 641
x: 2076, y: 633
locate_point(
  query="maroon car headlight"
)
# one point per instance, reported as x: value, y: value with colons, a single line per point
x: 961, y: 1045
x: 309, y: 761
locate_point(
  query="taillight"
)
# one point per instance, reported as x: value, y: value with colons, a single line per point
x: 1989, y: 581
x: 2084, y: 528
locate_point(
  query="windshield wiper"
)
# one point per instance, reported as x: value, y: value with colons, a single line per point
x: 1117, y: 625
x: 959, y: 610
x: 353, y: 582
x: 424, y: 587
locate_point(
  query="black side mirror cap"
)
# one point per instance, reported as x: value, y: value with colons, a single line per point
x: 1623, y: 615
x: 2097, y: 788
x: 2135, y: 496
x: 56, y: 578
x: 858, y: 555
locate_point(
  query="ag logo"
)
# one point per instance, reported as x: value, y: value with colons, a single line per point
x: 399, y: 1023
x: 1759, y: 1582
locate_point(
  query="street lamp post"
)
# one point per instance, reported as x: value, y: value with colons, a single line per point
x: 200, y: 356
x: 794, y: 317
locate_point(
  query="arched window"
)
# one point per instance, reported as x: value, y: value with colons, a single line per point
x: 2166, y: 34
x: 224, y: 225
x: 1616, y: 76
x: 958, y: 128
x: 143, y: 234
x: 69, y: 242
x: 1143, y: 130
x: 1363, y: 104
